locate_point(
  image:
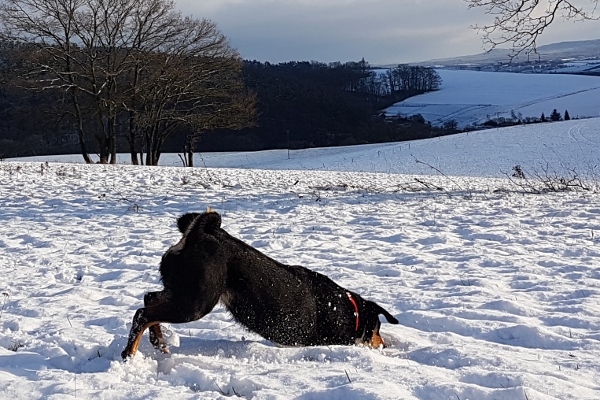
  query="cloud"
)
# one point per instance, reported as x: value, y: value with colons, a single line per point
x: 381, y: 31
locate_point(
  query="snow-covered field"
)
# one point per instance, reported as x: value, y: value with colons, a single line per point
x: 559, y: 146
x: 574, y: 67
x: 473, y: 97
x: 497, y: 290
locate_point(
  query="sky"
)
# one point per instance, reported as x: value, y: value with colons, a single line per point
x: 381, y: 31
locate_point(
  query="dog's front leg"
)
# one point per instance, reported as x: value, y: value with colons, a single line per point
x: 151, y: 316
x: 155, y: 332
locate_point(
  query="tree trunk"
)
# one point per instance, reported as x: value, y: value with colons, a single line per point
x: 152, y: 158
x: 112, y: 141
x: 84, y: 152
x: 131, y: 140
x: 134, y: 157
x: 80, y: 132
x: 102, y: 148
x: 150, y: 147
x: 102, y: 139
x: 149, y: 158
x: 190, y: 156
x: 188, y: 150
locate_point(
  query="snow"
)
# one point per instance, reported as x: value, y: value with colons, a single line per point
x: 497, y: 290
x: 579, y: 66
x: 559, y: 146
x: 473, y: 97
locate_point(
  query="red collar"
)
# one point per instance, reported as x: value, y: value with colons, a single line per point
x: 355, y: 309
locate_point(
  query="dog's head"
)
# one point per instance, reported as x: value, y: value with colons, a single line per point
x: 198, y: 246
x: 206, y: 222
x: 198, y: 232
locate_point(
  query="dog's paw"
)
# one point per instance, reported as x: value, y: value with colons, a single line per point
x: 125, y: 355
x: 163, y: 348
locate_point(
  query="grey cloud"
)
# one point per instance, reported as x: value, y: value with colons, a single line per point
x: 381, y: 31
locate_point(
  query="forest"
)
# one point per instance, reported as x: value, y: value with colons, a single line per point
x: 298, y: 105
x: 312, y: 104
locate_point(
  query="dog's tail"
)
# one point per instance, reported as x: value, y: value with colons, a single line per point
x: 389, y: 317
x: 206, y: 222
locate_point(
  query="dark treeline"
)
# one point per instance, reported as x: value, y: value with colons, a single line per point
x: 312, y: 104
x: 299, y: 105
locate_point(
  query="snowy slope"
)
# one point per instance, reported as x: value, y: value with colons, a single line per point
x: 497, y: 291
x: 473, y: 97
x: 490, y: 153
x: 575, y: 67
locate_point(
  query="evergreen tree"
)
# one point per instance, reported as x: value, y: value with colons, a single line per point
x: 543, y: 118
x: 555, y: 115
x: 567, y: 116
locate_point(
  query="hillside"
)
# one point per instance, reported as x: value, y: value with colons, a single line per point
x: 473, y: 97
x: 487, y: 153
x: 573, y: 50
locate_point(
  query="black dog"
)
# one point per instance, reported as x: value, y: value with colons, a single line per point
x: 288, y: 305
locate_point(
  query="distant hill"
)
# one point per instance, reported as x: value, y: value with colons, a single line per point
x: 472, y: 98
x: 574, y: 50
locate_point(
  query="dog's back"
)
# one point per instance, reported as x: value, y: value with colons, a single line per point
x: 283, y: 303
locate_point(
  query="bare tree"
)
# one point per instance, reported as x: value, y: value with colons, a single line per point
x: 31, y: 24
x: 79, y: 49
x: 192, y: 80
x: 133, y: 66
x: 521, y: 22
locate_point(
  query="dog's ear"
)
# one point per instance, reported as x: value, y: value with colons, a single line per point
x: 193, y: 223
x: 207, y: 221
x: 185, y: 220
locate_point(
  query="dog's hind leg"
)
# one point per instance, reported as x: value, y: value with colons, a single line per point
x: 155, y: 332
